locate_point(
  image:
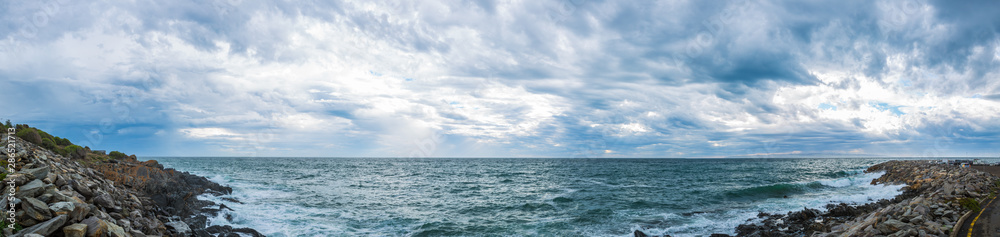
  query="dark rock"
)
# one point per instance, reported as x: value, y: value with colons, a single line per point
x: 180, y: 227
x: 202, y: 233
x: 197, y: 222
x: 31, y: 189
x: 37, y: 173
x: 638, y: 233
x: 81, y: 188
x: 104, y: 200
x: 45, y: 228
x: 95, y: 227
x: 36, y: 209
x: 248, y: 231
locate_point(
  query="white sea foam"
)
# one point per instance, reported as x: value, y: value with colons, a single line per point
x: 854, y: 189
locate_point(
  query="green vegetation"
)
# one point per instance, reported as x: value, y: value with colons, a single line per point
x: 48, y: 144
x: 4, y: 224
x: 969, y: 203
x: 62, y: 141
x: 29, y: 135
x: 117, y: 155
x: 74, y: 151
x: 59, y: 145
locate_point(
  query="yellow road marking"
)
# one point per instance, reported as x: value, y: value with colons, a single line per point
x: 977, y: 216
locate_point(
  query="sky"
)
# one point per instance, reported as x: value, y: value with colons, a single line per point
x: 506, y: 78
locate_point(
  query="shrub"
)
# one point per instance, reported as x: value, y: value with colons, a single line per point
x: 30, y: 135
x: 969, y: 203
x: 62, y: 141
x: 48, y: 144
x: 74, y: 151
x: 43, y: 134
x: 117, y: 155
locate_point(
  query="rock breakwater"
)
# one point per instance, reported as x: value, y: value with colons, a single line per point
x: 935, y: 197
x: 61, y: 196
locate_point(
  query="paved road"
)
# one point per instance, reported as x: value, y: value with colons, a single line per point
x: 983, y: 223
x: 986, y: 222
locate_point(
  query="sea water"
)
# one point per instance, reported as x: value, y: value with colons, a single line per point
x: 523, y: 197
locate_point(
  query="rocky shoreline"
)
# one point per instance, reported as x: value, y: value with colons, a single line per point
x: 934, y: 199
x: 80, y: 196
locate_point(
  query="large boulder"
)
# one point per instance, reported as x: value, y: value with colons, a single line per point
x: 62, y: 208
x: 36, y: 209
x: 37, y: 173
x: 104, y: 200
x: 45, y: 228
x: 115, y: 230
x: 31, y: 189
x: 180, y: 227
x: 75, y: 230
x: 95, y: 227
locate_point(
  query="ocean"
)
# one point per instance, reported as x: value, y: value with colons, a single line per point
x: 523, y: 197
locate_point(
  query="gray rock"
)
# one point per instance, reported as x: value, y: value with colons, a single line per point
x: 37, y: 173
x: 890, y: 226
x: 31, y: 189
x: 62, y: 208
x: 19, y: 179
x: 45, y: 228
x: 95, y: 227
x: 75, y: 230
x: 180, y: 227
x: 81, y: 188
x: 60, y: 181
x: 104, y: 200
x: 36, y: 209
x: 80, y: 210
x: 115, y: 230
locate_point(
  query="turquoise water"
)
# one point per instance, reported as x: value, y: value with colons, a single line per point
x: 523, y: 197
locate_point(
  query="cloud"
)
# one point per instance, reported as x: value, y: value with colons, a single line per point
x: 507, y: 78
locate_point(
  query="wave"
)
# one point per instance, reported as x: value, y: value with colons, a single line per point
x: 854, y: 188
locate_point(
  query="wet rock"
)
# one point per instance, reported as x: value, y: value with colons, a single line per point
x: 638, y: 233
x: 180, y: 227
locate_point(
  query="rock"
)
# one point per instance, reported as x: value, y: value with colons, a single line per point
x: 81, y: 188
x: 104, y: 200
x: 248, y: 231
x: 115, y: 230
x: 95, y: 227
x: 37, y: 173
x: 80, y: 210
x: 136, y: 233
x: 19, y: 179
x: 36, y: 209
x: 44, y: 228
x: 180, y: 227
x: 75, y: 230
x: 31, y: 189
x: 638, y: 233
x: 62, y: 208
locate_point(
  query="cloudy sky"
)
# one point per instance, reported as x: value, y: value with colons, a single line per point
x: 506, y: 78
